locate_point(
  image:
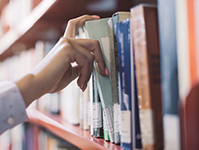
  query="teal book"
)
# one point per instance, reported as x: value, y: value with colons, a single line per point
x: 98, y: 30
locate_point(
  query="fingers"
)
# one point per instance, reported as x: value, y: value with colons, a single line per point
x: 93, y: 47
x: 70, y: 75
x: 74, y: 24
x: 84, y: 59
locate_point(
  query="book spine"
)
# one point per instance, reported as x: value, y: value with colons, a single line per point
x: 114, y: 82
x: 105, y: 129
x: 168, y: 55
x: 85, y: 109
x: 91, y: 96
x: 123, y: 46
x: 147, y: 58
x: 136, y: 131
x: 117, y: 17
x: 97, y: 113
x: 81, y: 109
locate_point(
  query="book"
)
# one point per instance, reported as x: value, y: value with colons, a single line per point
x: 196, y: 9
x: 85, y: 109
x: 97, y: 111
x: 116, y: 17
x: 136, y: 129
x: 123, y: 49
x: 90, y: 102
x: 70, y: 104
x: 169, y: 72
x: 144, y: 26
x: 187, y: 43
x: 105, y: 129
x: 130, y: 125
x: 189, y: 120
x: 192, y: 46
x: 91, y: 97
x: 182, y: 49
x: 168, y: 56
x: 98, y: 30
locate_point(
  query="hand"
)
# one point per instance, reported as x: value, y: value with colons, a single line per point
x: 55, y: 72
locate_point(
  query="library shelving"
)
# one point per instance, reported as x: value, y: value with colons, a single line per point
x: 3, y: 3
x: 71, y: 133
x: 47, y: 22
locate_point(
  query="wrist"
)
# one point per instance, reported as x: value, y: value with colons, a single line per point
x: 29, y: 88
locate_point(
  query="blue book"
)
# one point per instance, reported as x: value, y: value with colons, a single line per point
x: 168, y: 55
x: 130, y: 126
x: 136, y: 131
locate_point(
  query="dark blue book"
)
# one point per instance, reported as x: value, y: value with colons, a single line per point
x: 130, y: 126
x: 136, y: 131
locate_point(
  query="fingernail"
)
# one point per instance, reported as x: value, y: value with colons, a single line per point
x: 106, y: 71
x: 81, y: 87
x: 84, y: 88
x: 95, y: 16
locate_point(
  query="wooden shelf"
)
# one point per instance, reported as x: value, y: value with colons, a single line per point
x: 3, y: 3
x: 71, y: 133
x: 48, y: 20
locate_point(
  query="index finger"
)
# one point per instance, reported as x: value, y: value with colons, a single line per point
x: 94, y: 47
x: 74, y: 24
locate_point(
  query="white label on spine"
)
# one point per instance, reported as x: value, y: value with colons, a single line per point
x: 109, y: 120
x: 126, y: 126
x: 116, y: 113
x: 146, y: 122
x: 89, y: 113
x: 104, y: 121
x: 97, y: 119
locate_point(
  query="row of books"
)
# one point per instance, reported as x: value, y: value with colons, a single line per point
x: 15, y: 67
x: 39, y: 138
x: 128, y: 101
x: 125, y: 107
x: 15, y: 12
x: 176, y: 62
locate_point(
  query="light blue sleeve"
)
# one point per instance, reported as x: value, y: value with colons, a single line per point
x: 12, y: 106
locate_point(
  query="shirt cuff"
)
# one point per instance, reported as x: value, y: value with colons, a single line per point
x: 12, y: 106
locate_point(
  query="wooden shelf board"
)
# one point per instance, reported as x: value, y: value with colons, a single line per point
x: 3, y: 3
x: 24, y: 31
x: 71, y: 133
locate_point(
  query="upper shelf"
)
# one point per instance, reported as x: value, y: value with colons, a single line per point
x: 71, y: 133
x: 3, y: 3
x: 48, y: 20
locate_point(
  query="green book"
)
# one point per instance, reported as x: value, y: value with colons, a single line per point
x: 98, y: 30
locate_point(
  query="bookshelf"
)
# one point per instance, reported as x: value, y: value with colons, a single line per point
x: 71, y: 133
x: 48, y: 20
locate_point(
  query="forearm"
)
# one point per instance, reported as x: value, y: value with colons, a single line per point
x: 30, y: 88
